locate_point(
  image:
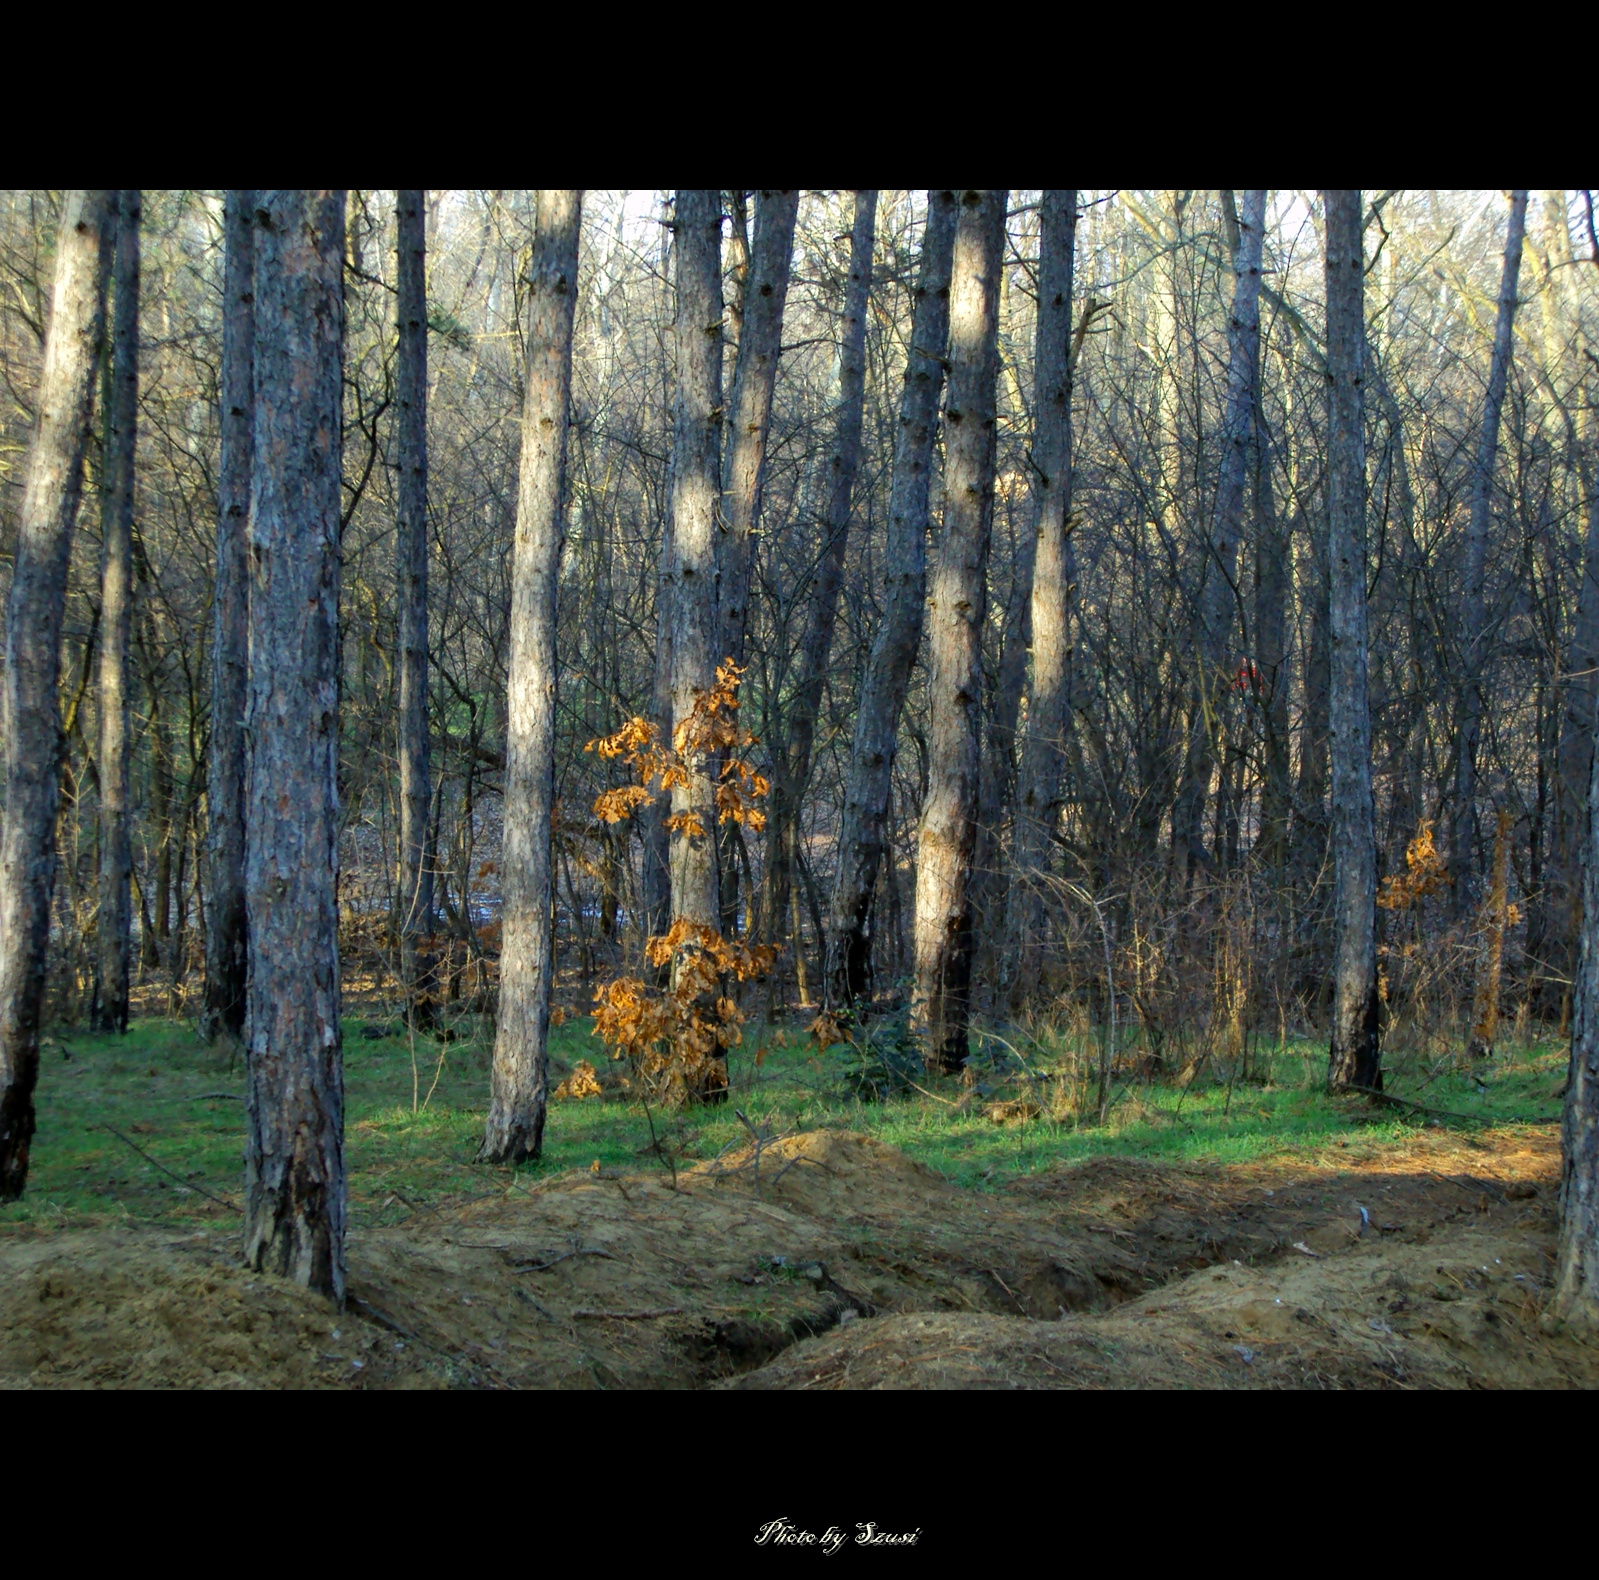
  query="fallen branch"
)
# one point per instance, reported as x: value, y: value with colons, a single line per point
x: 1471, y: 1185
x: 544, y: 1267
x: 799, y: 1157
x: 186, y: 1184
x: 1449, y: 1113
x: 384, y: 1320
x: 1008, y: 1290
x: 586, y: 1315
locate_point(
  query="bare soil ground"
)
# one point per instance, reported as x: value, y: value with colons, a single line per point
x: 838, y: 1262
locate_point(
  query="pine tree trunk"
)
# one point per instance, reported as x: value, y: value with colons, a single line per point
x: 1039, y: 786
x: 1579, y: 691
x: 1271, y: 654
x: 30, y: 724
x: 411, y: 602
x: 294, y: 1213
x: 1354, y: 1052
x: 1485, y: 1005
x: 1463, y: 831
x: 793, y: 761
x: 1576, y: 1282
x: 997, y: 766
x: 1219, y: 580
x: 765, y: 291
x: 114, y: 927
x: 1310, y: 794
x: 227, y: 922
x: 657, y: 876
x: 764, y: 298
x: 696, y: 485
x: 958, y: 606
x: 515, y: 1128
x: 899, y: 634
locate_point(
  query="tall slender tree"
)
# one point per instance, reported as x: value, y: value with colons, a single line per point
x: 514, y: 1130
x: 1218, y: 575
x: 1039, y: 783
x: 114, y: 925
x: 411, y: 597
x: 1463, y: 834
x: 696, y: 484
x: 1354, y: 1053
x: 294, y: 1212
x: 843, y: 461
x: 1580, y: 690
x: 764, y: 296
x: 888, y: 669
x: 227, y: 919
x: 1576, y: 1291
x: 1272, y: 649
x: 958, y: 606
x: 30, y: 706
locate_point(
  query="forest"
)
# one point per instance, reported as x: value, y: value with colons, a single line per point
x: 799, y: 789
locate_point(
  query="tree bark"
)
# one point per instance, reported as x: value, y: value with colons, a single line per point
x: 1219, y: 582
x: 899, y: 634
x: 1579, y: 691
x: 227, y: 923
x: 765, y: 291
x: 1485, y: 1000
x: 411, y: 600
x: 1354, y: 1052
x: 696, y: 484
x: 657, y: 875
x: 794, y: 761
x: 1272, y: 579
x: 1039, y: 782
x: 294, y: 1214
x: 958, y: 606
x: 515, y: 1128
x: 31, y: 720
x: 1576, y: 1281
x: 114, y: 926
x: 765, y: 295
x: 1463, y: 832
x: 1310, y: 794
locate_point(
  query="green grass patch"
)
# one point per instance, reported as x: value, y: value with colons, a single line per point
x: 414, y: 1115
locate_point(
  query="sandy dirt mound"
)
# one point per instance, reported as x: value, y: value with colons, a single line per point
x: 1268, y: 1277
x: 829, y: 1259
x: 135, y: 1308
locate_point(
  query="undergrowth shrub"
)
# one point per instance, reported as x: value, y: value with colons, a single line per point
x: 676, y: 1038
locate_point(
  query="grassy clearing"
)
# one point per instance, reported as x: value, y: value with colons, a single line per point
x: 414, y: 1116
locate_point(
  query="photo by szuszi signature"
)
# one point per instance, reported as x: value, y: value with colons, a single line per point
x: 784, y: 1533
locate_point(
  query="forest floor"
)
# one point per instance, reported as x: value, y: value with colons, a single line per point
x: 1228, y: 1233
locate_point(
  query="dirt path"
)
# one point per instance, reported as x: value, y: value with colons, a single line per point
x: 846, y: 1264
